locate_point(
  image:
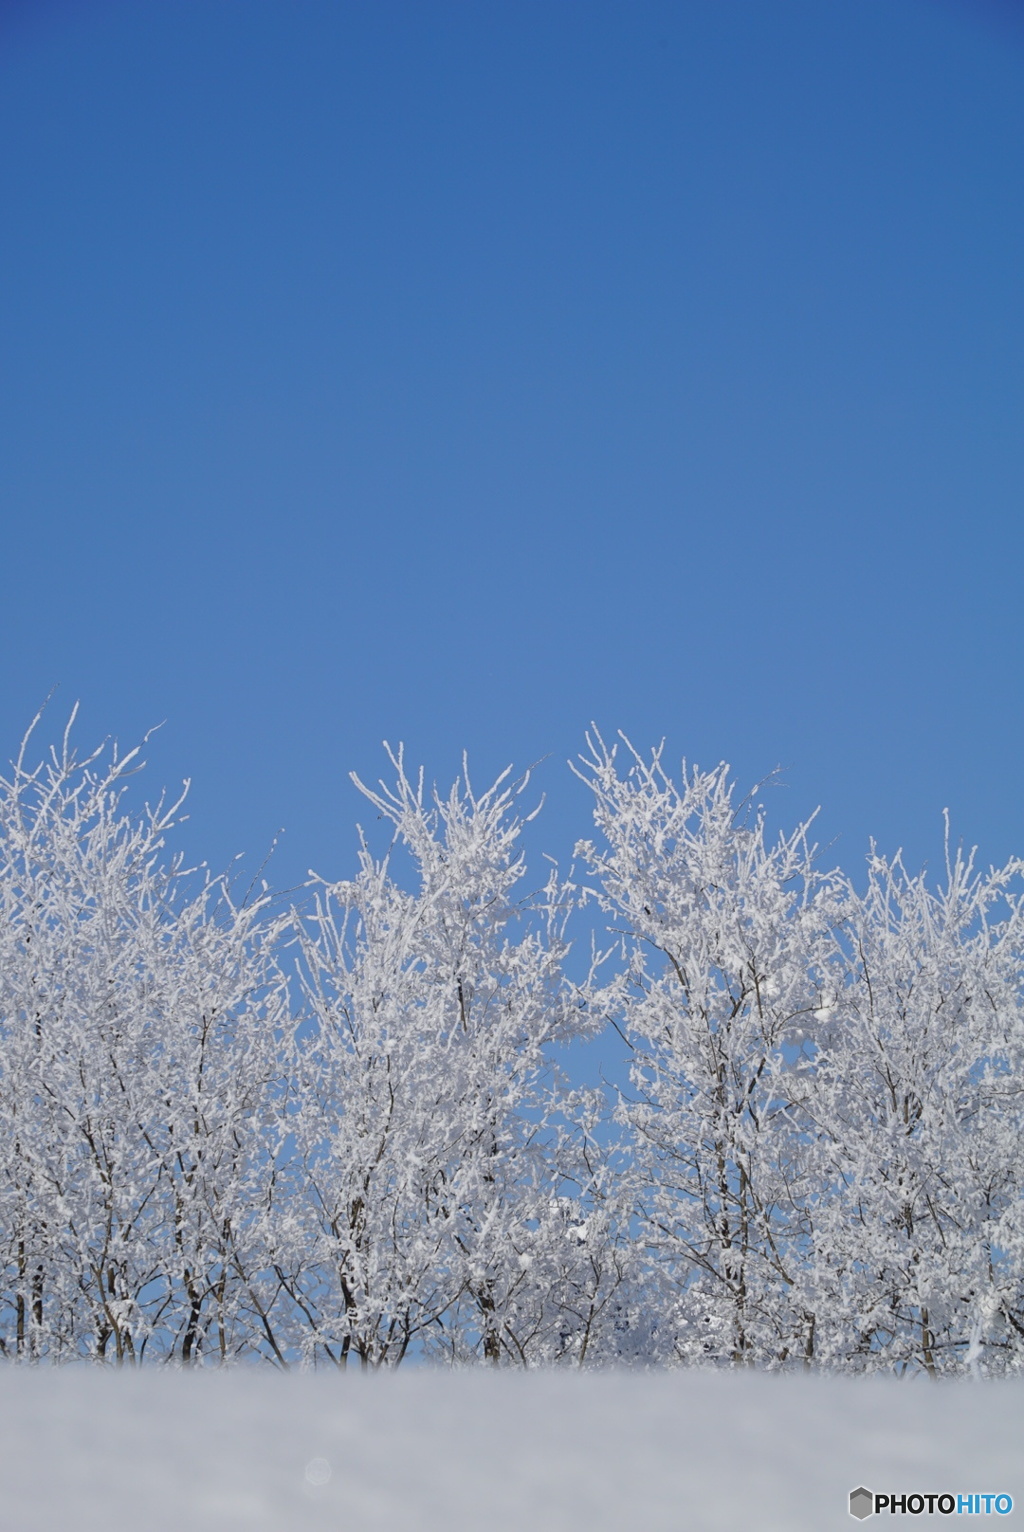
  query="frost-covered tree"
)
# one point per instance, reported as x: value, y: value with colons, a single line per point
x: 429, y: 1145
x: 727, y: 944
x: 818, y: 1160
x: 137, y: 1060
x: 919, y: 1251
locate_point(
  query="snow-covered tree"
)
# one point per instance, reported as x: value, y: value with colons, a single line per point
x: 137, y: 1060
x: 727, y: 943
x: 919, y: 1250
x: 818, y: 1160
x: 427, y: 1126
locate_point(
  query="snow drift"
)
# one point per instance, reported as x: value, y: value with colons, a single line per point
x: 457, y: 1451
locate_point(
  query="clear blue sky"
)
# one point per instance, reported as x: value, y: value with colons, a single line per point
x: 461, y: 372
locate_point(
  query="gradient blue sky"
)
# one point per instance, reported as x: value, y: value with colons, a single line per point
x: 461, y: 372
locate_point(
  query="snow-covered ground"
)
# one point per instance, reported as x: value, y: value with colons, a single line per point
x: 442, y: 1452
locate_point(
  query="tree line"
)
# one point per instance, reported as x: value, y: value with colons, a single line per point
x: 339, y: 1134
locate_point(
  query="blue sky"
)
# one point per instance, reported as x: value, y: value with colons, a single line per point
x: 461, y: 372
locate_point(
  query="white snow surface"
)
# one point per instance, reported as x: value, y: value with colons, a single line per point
x: 461, y: 1452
